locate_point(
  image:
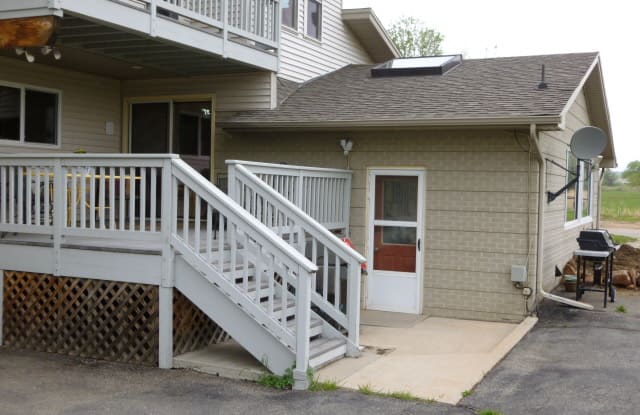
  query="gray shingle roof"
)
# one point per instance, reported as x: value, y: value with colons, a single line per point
x: 477, y: 89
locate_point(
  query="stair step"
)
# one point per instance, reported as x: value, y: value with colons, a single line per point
x: 237, y: 273
x: 277, y: 307
x: 251, y: 291
x: 315, y: 328
x: 326, y: 350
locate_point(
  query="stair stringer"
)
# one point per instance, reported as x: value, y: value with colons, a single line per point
x: 252, y: 336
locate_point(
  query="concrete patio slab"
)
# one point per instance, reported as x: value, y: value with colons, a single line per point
x: 432, y: 358
x: 435, y: 359
x: 228, y: 360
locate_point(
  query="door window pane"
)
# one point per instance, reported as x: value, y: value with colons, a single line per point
x: 9, y: 113
x: 398, y: 235
x: 397, y: 198
x: 150, y: 128
x: 289, y: 12
x: 205, y: 137
x: 40, y: 118
x: 192, y: 128
x: 394, y: 249
x: 314, y: 18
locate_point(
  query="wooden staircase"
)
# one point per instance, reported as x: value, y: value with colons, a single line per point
x: 326, y: 344
x: 259, y: 266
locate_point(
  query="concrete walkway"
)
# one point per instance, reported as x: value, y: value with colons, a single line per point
x: 434, y: 358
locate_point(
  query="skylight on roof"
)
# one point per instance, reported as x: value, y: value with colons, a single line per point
x: 427, y: 65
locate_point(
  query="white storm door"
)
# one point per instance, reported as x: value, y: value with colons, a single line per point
x: 395, y: 232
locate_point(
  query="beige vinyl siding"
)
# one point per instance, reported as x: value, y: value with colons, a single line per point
x: 476, y: 204
x: 87, y: 103
x: 559, y: 243
x: 234, y: 92
x: 303, y: 58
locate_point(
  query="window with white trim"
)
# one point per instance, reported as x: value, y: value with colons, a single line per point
x: 29, y: 115
x: 289, y: 13
x: 579, y: 195
x: 314, y: 19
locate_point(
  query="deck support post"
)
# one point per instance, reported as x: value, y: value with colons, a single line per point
x: 165, y: 343
x: 303, y: 321
x: 165, y: 289
x: 353, y: 308
x: 1, y: 305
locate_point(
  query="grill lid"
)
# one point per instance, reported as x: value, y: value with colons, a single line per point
x: 596, y: 240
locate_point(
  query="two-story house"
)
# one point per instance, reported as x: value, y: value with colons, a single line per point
x: 436, y: 168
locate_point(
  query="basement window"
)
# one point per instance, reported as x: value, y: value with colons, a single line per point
x: 28, y: 115
x: 427, y: 65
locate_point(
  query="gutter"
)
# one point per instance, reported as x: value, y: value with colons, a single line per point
x: 534, y: 142
x: 549, y: 121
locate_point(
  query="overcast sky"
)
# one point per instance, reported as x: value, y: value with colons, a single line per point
x: 492, y: 28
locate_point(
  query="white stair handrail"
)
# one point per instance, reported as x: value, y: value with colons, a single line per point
x: 350, y: 318
x: 212, y: 194
x: 305, y: 269
x: 328, y: 238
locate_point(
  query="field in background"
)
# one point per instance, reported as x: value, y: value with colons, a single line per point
x: 621, y: 204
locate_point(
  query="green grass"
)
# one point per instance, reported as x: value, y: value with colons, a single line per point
x: 466, y: 393
x: 621, y: 203
x: 401, y: 395
x: 621, y: 239
x: 621, y: 309
x: 323, y: 386
x: 489, y: 412
x: 276, y: 381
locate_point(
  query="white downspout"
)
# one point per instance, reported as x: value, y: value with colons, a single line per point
x: 539, y: 276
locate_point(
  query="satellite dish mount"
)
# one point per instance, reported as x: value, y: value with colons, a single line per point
x: 586, y: 144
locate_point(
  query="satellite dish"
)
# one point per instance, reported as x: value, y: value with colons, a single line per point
x: 588, y: 142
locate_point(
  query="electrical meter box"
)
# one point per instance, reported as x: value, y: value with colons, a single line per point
x: 518, y: 273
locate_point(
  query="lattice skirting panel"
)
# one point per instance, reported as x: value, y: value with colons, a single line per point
x: 97, y: 319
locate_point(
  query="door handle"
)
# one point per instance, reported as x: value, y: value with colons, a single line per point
x: 419, y: 240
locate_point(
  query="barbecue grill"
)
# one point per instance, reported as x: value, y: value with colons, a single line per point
x: 596, y: 240
x: 597, y: 247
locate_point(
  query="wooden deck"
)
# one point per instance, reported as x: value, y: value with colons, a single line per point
x: 250, y: 264
x: 101, y: 244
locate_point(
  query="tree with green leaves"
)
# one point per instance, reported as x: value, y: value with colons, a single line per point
x: 632, y: 173
x: 611, y: 178
x: 414, y: 38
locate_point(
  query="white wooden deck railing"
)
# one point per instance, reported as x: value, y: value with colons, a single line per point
x: 323, y: 194
x: 254, y: 20
x: 82, y: 195
x: 336, y: 260
x: 160, y: 197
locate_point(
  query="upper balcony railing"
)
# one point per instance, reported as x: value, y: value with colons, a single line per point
x: 252, y: 20
x: 244, y: 30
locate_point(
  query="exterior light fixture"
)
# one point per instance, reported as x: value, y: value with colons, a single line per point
x: 57, y: 55
x: 22, y: 51
x: 347, y: 146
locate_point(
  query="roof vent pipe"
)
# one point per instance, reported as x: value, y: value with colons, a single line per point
x: 542, y: 84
